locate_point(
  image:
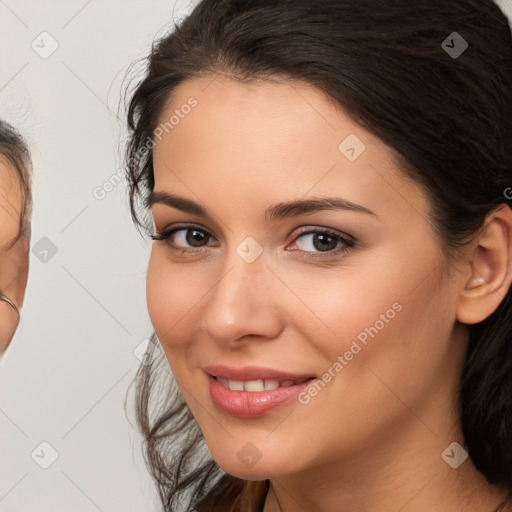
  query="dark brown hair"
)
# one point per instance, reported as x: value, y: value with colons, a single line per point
x: 14, y: 149
x: 448, y: 118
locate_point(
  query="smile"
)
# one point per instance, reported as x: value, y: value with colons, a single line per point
x: 257, y: 385
x: 251, y: 392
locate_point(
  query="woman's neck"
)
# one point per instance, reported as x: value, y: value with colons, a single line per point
x: 389, y: 477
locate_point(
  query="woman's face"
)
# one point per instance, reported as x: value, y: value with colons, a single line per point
x: 256, y: 293
x: 13, y: 258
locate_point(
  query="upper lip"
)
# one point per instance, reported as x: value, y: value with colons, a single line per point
x: 246, y: 373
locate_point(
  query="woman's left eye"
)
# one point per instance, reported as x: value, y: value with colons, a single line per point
x: 190, y: 239
x: 323, y: 241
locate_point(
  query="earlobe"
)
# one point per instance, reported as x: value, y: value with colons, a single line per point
x: 490, y: 269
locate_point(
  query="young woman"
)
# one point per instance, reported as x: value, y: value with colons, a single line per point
x: 15, y: 206
x: 328, y: 187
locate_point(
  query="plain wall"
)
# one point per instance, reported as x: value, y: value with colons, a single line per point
x: 64, y: 378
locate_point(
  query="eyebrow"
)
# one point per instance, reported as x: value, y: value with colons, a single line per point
x: 274, y: 212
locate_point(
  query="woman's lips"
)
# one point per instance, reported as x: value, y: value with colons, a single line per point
x: 254, y: 391
x: 253, y: 373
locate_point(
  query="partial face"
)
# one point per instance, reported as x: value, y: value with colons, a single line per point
x: 342, y: 308
x: 13, y: 258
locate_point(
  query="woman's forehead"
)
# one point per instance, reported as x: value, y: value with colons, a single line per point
x: 275, y: 146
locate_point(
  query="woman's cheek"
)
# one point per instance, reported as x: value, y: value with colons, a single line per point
x: 344, y: 306
x: 175, y: 295
x: 167, y: 296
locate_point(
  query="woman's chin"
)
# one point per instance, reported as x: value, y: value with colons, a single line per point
x: 249, y: 467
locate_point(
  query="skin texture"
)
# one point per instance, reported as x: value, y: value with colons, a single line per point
x: 372, y: 438
x: 13, y: 260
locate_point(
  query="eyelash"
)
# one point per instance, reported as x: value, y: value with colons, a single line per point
x: 348, y: 243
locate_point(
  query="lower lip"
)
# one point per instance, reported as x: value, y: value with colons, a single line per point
x: 251, y: 404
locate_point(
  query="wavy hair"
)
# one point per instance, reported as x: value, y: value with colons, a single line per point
x: 447, y: 117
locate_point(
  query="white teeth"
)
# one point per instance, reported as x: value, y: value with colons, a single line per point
x: 236, y: 385
x: 255, y: 385
x: 271, y: 384
x: 223, y: 381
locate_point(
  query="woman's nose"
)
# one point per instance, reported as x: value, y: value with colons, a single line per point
x: 244, y: 304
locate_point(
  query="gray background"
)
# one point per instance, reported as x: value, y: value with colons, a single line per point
x: 65, y: 377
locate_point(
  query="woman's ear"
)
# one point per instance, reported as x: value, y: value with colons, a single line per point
x: 489, y: 273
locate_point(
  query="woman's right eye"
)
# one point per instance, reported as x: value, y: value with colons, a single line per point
x: 184, y: 239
